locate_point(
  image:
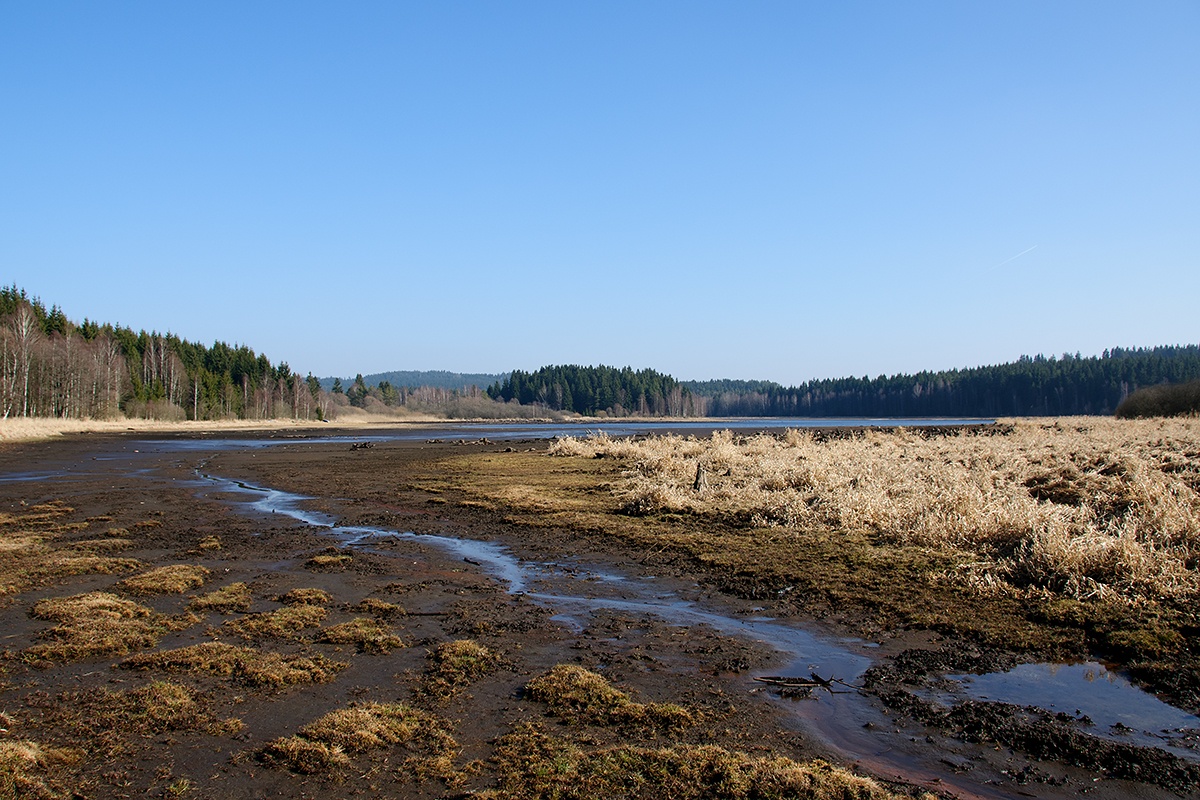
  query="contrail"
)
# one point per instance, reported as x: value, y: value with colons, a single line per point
x: 1014, y: 258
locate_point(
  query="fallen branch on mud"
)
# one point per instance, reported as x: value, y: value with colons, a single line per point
x: 814, y: 681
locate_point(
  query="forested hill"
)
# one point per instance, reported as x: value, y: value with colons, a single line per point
x: 53, y: 367
x: 1031, y: 386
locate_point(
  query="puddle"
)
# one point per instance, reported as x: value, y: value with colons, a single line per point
x: 1113, y: 707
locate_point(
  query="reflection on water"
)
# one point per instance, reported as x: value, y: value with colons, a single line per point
x: 1115, y: 707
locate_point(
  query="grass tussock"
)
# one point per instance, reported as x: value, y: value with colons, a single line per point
x: 227, y: 600
x: 173, y: 579
x: 27, y: 770
x: 580, y: 695
x: 366, y: 634
x: 455, y: 665
x: 532, y: 765
x: 209, y: 544
x: 94, y: 625
x: 278, y: 624
x: 306, y: 597
x: 329, y: 562
x: 243, y: 665
x: 327, y: 743
x: 105, y: 717
x: 378, y: 608
x: 1085, y: 508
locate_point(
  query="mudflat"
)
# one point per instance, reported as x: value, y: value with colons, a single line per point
x: 165, y: 637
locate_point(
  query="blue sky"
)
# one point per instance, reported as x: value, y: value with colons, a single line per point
x: 752, y: 190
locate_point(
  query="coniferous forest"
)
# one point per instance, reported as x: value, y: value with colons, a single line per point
x: 51, y: 366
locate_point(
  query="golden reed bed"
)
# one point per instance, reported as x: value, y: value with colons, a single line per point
x: 1087, y: 507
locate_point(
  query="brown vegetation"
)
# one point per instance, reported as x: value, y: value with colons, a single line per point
x: 455, y: 665
x: 325, y: 744
x: 368, y: 635
x: 243, y: 665
x: 226, y: 600
x: 580, y: 695
x: 32, y: 553
x: 1083, y: 508
x: 533, y: 765
x: 173, y: 579
x: 93, y: 625
x: 25, y: 768
x: 280, y: 623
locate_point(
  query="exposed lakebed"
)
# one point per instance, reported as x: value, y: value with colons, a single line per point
x: 1086, y: 699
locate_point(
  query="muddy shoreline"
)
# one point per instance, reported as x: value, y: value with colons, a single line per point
x: 168, y: 513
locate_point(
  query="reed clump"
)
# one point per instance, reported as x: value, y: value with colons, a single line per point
x: 533, y: 765
x: 226, y: 600
x: 278, y: 624
x: 243, y: 665
x: 455, y: 665
x: 328, y: 743
x: 1083, y: 507
x: 366, y: 634
x: 173, y: 579
x: 576, y: 694
x: 93, y: 625
x: 306, y: 597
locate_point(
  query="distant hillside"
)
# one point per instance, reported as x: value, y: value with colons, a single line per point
x: 438, y: 379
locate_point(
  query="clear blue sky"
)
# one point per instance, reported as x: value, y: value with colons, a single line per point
x: 777, y: 190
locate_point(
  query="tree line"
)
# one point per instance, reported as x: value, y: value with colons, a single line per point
x: 1031, y: 386
x: 592, y: 390
x: 53, y: 367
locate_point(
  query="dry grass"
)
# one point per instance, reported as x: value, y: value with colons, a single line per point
x: 243, y: 665
x: 329, y: 562
x: 378, y: 608
x: 367, y: 634
x: 533, y: 765
x: 455, y: 665
x: 579, y: 695
x: 1084, y: 507
x: 93, y: 625
x: 309, y: 597
x: 106, y: 717
x: 325, y: 744
x: 173, y: 579
x: 26, y: 769
x: 226, y: 600
x: 281, y: 623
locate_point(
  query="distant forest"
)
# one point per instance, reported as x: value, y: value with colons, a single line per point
x: 1030, y: 386
x: 592, y: 390
x: 53, y: 367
